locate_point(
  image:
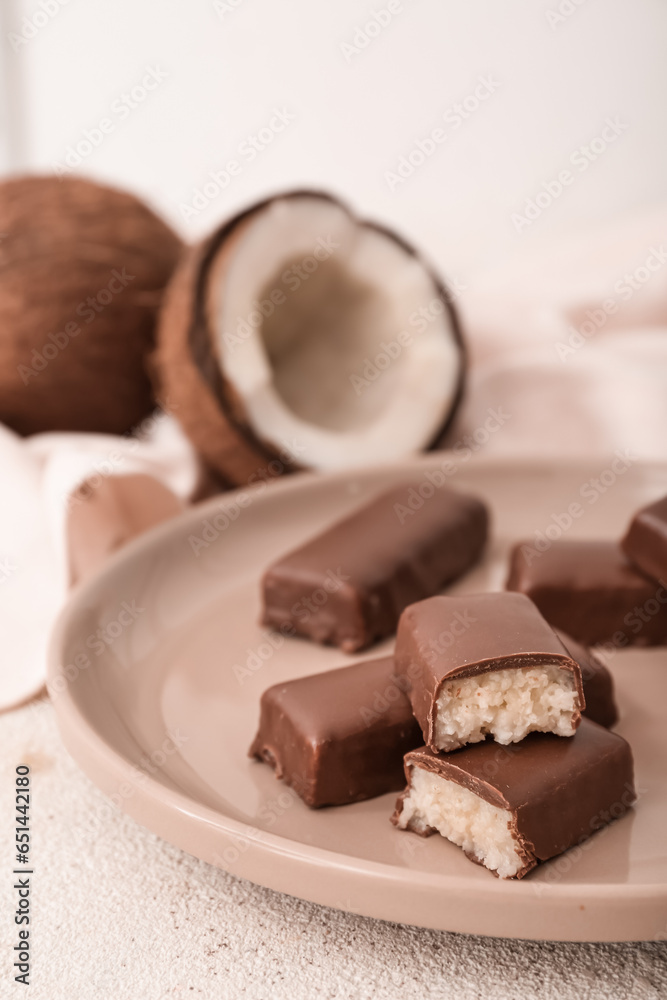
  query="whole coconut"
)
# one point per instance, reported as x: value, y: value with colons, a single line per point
x: 82, y: 269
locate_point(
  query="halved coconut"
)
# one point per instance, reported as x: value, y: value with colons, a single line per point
x: 299, y: 337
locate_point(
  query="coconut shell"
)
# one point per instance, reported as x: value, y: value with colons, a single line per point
x: 187, y: 367
x: 82, y: 271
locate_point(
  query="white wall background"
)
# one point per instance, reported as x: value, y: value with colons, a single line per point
x: 229, y: 63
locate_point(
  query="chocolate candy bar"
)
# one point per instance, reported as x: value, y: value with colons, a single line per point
x: 592, y: 592
x: 486, y: 664
x: 645, y: 542
x: 349, y: 585
x: 340, y: 736
x: 597, y: 682
x: 510, y: 808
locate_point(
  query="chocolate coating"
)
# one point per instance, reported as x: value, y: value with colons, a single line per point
x: 340, y: 736
x: 590, y: 590
x: 446, y: 637
x: 597, y: 682
x: 349, y: 585
x: 559, y: 791
x: 645, y: 542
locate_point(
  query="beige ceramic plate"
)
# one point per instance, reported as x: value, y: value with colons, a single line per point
x: 158, y: 663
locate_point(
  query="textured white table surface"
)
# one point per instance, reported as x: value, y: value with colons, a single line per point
x: 119, y: 913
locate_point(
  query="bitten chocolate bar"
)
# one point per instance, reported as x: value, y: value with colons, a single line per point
x: 340, y: 736
x: 510, y: 808
x: 645, y: 542
x: 349, y: 585
x: 592, y: 592
x: 597, y: 683
x: 486, y: 664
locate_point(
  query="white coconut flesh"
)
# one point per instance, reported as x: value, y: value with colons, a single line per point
x: 355, y: 359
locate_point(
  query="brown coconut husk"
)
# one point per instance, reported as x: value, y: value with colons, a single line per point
x: 62, y: 242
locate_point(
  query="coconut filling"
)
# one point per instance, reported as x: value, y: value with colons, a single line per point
x: 334, y: 336
x: 481, y: 829
x: 506, y: 704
